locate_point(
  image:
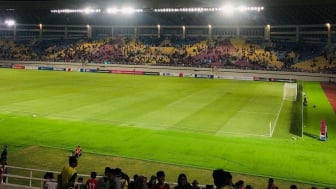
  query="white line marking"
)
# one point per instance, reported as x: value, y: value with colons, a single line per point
x: 277, y: 117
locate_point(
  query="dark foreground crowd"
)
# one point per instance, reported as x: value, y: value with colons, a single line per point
x: 115, y: 178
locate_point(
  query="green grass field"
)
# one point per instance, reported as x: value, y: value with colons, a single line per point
x: 185, y: 121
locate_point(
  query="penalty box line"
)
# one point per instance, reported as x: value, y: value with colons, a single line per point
x: 276, y: 119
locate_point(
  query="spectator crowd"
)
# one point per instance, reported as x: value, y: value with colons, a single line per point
x: 196, y: 52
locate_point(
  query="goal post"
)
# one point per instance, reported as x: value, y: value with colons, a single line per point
x: 290, y: 91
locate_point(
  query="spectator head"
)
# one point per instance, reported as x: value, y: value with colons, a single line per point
x: 218, y: 176
x: 93, y: 175
x: 111, y: 174
x: 153, y: 178
x: 117, y: 172
x: 73, y: 161
x: 135, y: 177
x: 160, y: 176
x: 293, y: 187
x: 182, y: 179
x: 248, y: 187
x: 48, y: 175
x: 80, y: 180
x: 107, y: 170
x: 195, y: 183
x: 240, y: 184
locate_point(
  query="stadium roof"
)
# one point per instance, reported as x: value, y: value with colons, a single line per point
x: 277, y: 12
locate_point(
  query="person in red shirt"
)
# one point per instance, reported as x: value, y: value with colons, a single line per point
x: 92, y: 182
x: 78, y: 151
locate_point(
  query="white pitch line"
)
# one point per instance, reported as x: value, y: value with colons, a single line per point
x: 277, y: 117
x: 242, y: 134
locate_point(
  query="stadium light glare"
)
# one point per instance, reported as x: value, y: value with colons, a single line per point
x: 127, y: 10
x: 242, y: 8
x: 89, y: 10
x: 10, y: 22
x: 112, y: 10
x: 228, y: 9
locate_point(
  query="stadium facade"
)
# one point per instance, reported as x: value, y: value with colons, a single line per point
x: 321, y: 33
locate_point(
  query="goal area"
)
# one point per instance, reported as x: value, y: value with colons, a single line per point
x: 290, y: 91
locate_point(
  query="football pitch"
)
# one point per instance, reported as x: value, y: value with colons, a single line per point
x: 242, y: 126
x: 215, y: 107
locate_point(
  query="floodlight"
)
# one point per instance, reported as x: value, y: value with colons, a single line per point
x: 10, y: 22
x: 87, y: 10
x: 242, y: 8
x: 112, y: 10
x: 228, y: 9
x: 127, y: 10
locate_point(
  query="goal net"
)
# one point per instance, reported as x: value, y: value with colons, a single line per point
x: 290, y: 91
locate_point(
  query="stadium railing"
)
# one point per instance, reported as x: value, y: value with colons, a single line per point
x: 35, y: 178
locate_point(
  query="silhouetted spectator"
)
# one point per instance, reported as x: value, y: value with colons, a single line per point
x: 195, y: 184
x: 271, y: 184
x: 151, y: 182
x: 4, y: 154
x: 182, y: 182
x: 222, y: 179
x: 161, y: 181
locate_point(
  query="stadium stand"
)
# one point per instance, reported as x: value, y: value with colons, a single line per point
x: 220, y: 53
